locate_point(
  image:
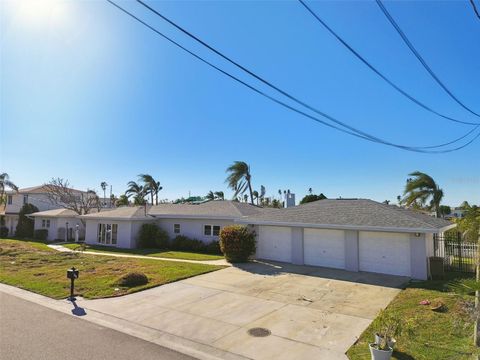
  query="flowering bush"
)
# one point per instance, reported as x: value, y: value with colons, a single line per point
x: 237, y: 243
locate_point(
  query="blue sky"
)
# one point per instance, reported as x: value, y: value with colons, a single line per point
x: 90, y: 95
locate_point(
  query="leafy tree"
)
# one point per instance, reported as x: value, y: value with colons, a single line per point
x: 5, y: 182
x: 237, y: 243
x: 312, y: 197
x: 469, y: 225
x: 445, y: 210
x: 122, y: 201
x: 239, y: 178
x: 422, y: 189
x: 25, y: 224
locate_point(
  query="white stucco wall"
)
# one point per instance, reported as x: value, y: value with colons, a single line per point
x: 127, y: 232
x: 54, y: 232
x: 192, y: 228
x: 41, y: 201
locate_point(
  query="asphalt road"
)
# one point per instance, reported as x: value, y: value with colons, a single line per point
x: 32, y: 332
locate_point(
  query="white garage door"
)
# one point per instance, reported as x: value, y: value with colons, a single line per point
x: 323, y: 247
x: 274, y: 243
x: 383, y: 252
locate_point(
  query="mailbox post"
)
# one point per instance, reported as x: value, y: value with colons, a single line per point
x: 72, y: 274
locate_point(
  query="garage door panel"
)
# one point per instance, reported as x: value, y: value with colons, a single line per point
x: 274, y: 243
x: 324, y: 248
x: 383, y: 252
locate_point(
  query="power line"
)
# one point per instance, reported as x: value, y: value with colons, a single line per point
x: 376, y: 71
x: 408, y: 148
x: 420, y: 58
x: 291, y: 97
x: 475, y: 8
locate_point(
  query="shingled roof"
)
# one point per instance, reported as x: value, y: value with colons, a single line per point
x: 351, y: 214
x: 121, y: 213
x: 219, y: 209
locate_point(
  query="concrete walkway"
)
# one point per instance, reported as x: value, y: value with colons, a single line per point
x: 208, y: 262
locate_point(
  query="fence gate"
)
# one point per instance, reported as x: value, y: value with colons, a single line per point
x: 457, y: 255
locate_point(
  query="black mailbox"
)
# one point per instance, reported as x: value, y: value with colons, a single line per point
x: 72, y: 273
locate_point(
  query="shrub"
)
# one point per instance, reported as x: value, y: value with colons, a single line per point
x: 3, y: 232
x: 133, y: 279
x: 213, y: 248
x: 237, y: 243
x: 184, y: 243
x: 151, y: 236
x: 162, y: 239
x: 25, y: 224
x: 40, y: 234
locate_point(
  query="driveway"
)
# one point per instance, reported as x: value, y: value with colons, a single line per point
x: 311, y: 312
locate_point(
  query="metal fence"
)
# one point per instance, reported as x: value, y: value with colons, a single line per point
x: 457, y: 255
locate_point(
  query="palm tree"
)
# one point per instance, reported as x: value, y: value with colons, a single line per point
x: 219, y: 195
x: 122, y: 201
x: 210, y: 195
x: 6, y: 183
x: 422, y: 189
x: 239, y: 178
x: 151, y: 186
x: 138, y: 192
x: 255, y: 195
x: 310, y: 191
x: 103, y: 185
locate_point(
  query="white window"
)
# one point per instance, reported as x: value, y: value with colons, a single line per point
x: 176, y: 228
x: 25, y: 199
x: 9, y: 200
x: 46, y: 223
x: 207, y: 230
x: 211, y: 230
x: 107, y: 234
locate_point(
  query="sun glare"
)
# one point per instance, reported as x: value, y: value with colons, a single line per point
x: 40, y: 12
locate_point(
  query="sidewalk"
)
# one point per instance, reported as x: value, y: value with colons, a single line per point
x: 61, y: 248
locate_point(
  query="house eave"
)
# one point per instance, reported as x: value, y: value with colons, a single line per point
x: 345, y: 227
x: 179, y: 216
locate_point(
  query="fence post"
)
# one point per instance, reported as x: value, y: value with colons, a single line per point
x: 460, y: 255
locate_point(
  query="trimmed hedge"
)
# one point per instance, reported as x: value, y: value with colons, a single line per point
x: 184, y: 243
x: 25, y: 224
x: 237, y: 243
x: 40, y: 234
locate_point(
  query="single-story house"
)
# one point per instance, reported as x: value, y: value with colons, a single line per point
x: 61, y: 224
x: 350, y: 234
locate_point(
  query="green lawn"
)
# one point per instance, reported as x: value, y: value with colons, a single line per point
x: 148, y: 252
x: 34, y: 266
x: 445, y: 335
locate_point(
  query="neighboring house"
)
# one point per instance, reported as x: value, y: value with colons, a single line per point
x: 15, y: 200
x: 350, y: 234
x: 60, y: 223
x: 458, y: 213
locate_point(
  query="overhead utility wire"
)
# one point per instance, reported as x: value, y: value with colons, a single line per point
x: 376, y: 71
x: 282, y: 103
x: 156, y: 12
x: 475, y: 8
x: 420, y: 58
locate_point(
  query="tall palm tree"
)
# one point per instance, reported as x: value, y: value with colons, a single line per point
x: 103, y: 185
x: 137, y: 190
x: 255, y: 195
x: 239, y: 178
x: 310, y: 191
x: 422, y: 189
x: 151, y: 186
x: 219, y: 195
x: 210, y: 195
x: 5, y: 182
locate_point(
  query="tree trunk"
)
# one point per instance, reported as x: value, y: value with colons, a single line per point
x: 250, y: 190
x: 156, y: 197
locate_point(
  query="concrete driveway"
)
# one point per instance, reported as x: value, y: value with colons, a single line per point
x: 311, y: 312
